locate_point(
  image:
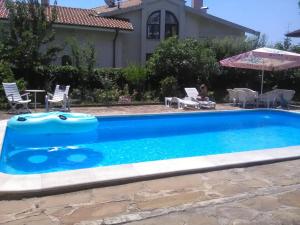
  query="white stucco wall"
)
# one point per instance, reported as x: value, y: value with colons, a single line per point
x: 190, y: 25
x: 150, y: 6
x: 200, y: 27
x: 131, y: 41
x: 102, y: 41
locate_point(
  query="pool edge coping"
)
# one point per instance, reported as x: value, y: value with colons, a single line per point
x: 100, y: 176
x: 3, y: 125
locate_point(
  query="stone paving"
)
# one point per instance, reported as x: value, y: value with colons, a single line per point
x: 121, y: 110
x: 260, y: 195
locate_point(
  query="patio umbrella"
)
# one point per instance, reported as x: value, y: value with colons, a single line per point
x: 264, y: 59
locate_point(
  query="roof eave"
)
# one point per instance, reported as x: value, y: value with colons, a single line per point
x: 222, y: 21
x: 295, y: 33
x: 84, y: 27
x: 94, y: 28
x: 120, y: 11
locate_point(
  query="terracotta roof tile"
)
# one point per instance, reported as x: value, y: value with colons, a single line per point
x: 3, y: 11
x: 123, y: 5
x: 81, y: 17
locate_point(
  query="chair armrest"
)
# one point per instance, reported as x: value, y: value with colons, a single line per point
x: 27, y: 95
x: 50, y: 95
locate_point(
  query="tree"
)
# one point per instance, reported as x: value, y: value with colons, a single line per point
x: 26, y: 41
x: 189, y: 61
x: 285, y: 45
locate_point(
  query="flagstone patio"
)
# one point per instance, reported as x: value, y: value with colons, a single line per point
x: 262, y: 195
x: 121, y: 110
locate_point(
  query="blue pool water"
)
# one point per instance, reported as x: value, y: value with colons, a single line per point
x: 132, y: 139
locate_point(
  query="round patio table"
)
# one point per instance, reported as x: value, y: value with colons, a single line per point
x: 35, y: 92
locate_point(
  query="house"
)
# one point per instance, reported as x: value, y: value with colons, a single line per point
x: 127, y: 32
x: 294, y: 34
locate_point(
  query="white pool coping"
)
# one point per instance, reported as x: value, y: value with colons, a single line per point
x: 43, y: 183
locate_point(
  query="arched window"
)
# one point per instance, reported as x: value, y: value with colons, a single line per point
x: 66, y: 60
x: 153, y: 26
x: 172, y: 26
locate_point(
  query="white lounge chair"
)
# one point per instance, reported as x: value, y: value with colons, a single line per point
x: 184, y: 103
x: 193, y: 95
x: 168, y: 101
x: 14, y: 98
x: 60, y: 97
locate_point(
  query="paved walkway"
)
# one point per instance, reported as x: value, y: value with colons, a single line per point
x: 119, y: 110
x: 262, y: 195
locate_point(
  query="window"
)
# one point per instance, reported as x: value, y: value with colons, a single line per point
x: 66, y: 60
x: 171, y: 26
x: 153, y: 26
x: 148, y: 56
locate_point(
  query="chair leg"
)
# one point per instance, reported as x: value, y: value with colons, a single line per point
x: 64, y: 103
x: 13, y: 108
x: 68, y: 105
x: 26, y: 108
x: 46, y: 104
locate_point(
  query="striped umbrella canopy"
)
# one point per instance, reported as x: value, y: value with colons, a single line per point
x: 264, y: 59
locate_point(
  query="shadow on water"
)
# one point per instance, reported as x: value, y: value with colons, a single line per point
x: 54, y: 159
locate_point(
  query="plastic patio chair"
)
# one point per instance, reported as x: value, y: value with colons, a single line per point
x: 268, y: 99
x: 60, y: 97
x: 233, y: 96
x: 284, y: 97
x: 15, y: 98
x: 246, y: 96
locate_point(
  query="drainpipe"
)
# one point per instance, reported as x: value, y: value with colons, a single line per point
x: 114, y: 47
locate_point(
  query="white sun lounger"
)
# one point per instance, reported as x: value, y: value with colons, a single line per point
x: 193, y: 94
x: 184, y: 103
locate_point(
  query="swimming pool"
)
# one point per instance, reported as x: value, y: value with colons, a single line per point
x: 119, y: 140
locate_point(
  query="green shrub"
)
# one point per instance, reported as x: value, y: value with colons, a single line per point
x: 107, y: 96
x: 6, y: 75
x: 168, y: 87
x: 101, y: 75
x: 136, y: 76
x: 150, y: 96
x: 188, y: 60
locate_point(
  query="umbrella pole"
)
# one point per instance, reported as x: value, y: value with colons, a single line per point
x: 262, y: 82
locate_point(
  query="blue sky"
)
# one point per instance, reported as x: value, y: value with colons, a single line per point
x: 271, y: 17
